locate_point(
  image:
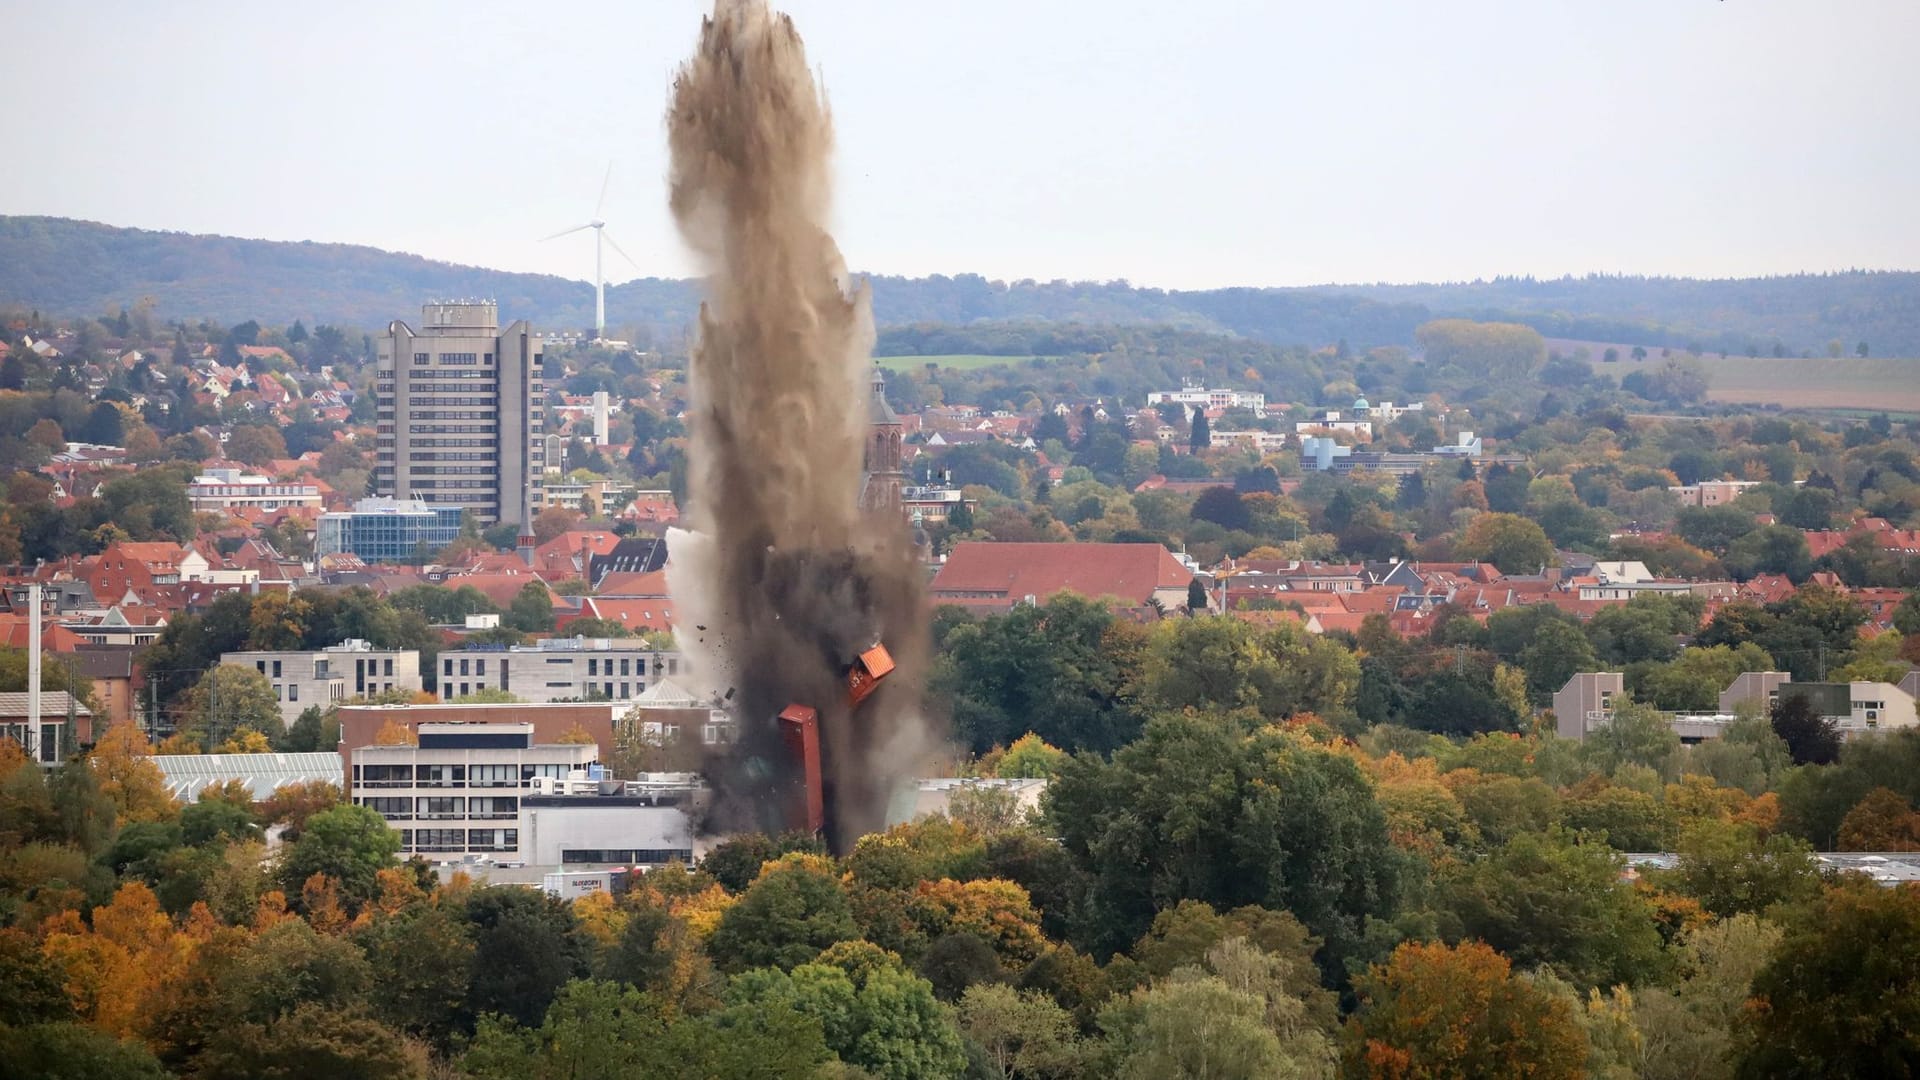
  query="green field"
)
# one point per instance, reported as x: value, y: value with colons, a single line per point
x: 1874, y: 384
x: 962, y: 361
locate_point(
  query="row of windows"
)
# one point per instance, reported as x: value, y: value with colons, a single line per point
x: 626, y: 856
x: 451, y: 442
x: 441, y: 807
x: 464, y: 485
x: 468, y: 455
x: 418, y: 375
x: 453, y: 414
x: 453, y: 776
x: 420, y: 359
x: 457, y: 470
x: 442, y: 429
x: 453, y: 840
x: 464, y: 399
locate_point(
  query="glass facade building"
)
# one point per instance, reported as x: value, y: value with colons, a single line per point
x: 381, y: 530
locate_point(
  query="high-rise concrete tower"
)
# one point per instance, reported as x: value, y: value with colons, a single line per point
x: 460, y: 407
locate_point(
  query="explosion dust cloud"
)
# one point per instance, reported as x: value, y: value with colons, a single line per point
x: 784, y: 579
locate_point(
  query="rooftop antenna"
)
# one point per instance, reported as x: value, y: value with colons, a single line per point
x: 599, y: 237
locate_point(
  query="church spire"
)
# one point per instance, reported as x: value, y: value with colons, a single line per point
x: 885, y: 476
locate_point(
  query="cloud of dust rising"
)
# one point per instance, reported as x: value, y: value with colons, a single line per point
x: 789, y: 579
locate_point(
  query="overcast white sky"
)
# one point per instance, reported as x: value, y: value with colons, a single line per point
x: 1169, y: 143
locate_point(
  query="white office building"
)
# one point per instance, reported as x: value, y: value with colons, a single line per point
x: 231, y: 489
x: 488, y: 791
x: 1201, y: 397
x: 303, y: 678
x: 559, y: 669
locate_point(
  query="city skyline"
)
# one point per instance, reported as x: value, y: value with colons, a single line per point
x: 1150, y: 144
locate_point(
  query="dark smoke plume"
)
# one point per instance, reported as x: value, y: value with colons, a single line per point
x: 785, y: 579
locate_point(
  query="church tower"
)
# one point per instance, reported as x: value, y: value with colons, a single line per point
x: 884, y: 474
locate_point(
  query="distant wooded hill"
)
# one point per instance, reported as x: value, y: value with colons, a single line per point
x: 68, y: 267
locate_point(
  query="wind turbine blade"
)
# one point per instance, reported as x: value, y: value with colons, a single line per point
x: 602, y: 204
x: 623, y: 254
x: 564, y: 232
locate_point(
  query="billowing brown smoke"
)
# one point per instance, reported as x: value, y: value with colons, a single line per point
x: 788, y: 578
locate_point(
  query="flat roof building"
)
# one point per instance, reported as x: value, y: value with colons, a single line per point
x: 227, y: 489
x: 555, y: 669
x: 383, y: 530
x: 489, y: 790
x: 304, y: 678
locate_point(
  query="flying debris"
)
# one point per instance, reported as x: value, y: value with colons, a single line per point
x: 800, y: 732
x: 793, y: 585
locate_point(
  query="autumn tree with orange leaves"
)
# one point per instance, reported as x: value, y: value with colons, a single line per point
x: 1443, y: 1011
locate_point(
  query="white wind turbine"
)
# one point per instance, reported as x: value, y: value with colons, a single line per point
x: 599, y: 237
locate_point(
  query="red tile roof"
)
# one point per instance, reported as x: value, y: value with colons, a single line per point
x: 634, y: 613
x: 1130, y: 572
x: 634, y: 584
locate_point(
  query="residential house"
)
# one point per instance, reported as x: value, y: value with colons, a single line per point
x: 115, y: 676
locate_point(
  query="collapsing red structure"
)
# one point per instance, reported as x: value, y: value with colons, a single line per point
x: 800, y: 734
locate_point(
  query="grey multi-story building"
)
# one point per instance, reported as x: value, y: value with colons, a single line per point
x: 303, y: 678
x: 459, y: 406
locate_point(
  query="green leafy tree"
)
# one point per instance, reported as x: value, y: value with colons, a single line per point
x: 1731, y: 869
x: 1192, y: 1028
x: 1022, y: 1033
x: 1687, y: 1030
x: 1511, y: 543
x: 350, y: 844
x: 426, y: 997
x: 1635, y: 735
x: 1693, y: 680
x: 1770, y: 549
x: 1840, y: 995
x: 784, y: 919
x: 69, y: 1051
x: 602, y: 1031
x: 736, y: 861
x: 1557, y: 652
x: 227, y: 698
x: 1498, y: 352
x: 1061, y: 669
x: 1630, y: 820
x: 526, y: 946
x: 1029, y: 756
x: 875, y: 1015
x: 442, y: 605
x: 532, y: 610
x: 312, y: 1041
x: 1225, y: 663
x: 1197, y: 810
x: 1597, y: 932
x: 956, y: 962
